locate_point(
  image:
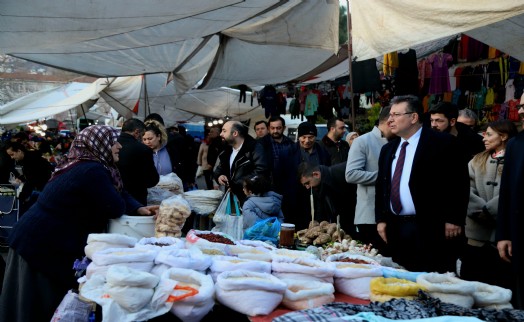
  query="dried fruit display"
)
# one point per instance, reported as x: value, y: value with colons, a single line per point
x: 215, y: 238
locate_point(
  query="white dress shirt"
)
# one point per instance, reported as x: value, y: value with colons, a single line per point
x: 233, y: 156
x: 408, y: 207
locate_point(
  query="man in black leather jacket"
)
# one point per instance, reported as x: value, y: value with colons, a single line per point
x: 243, y: 157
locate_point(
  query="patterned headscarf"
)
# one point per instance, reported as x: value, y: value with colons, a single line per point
x: 94, y: 143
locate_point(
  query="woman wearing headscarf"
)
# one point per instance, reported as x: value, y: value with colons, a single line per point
x: 82, y: 195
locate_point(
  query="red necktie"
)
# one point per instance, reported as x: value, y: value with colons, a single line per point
x: 395, y: 182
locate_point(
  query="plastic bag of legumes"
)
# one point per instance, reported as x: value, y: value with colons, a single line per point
x: 210, y: 243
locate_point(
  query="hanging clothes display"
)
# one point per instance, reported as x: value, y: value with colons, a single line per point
x: 311, y: 104
x: 365, y: 76
x: 390, y: 63
x: 269, y: 101
x: 510, y: 90
x: 406, y: 76
x: 439, y: 73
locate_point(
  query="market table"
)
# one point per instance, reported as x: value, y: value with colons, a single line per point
x: 339, y: 297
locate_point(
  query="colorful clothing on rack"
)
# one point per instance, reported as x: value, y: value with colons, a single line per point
x: 439, y: 74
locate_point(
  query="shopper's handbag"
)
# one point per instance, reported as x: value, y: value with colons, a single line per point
x: 228, y: 217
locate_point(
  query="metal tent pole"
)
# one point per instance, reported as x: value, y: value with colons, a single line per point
x: 350, y: 69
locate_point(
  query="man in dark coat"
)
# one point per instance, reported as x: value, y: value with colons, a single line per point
x: 296, y: 199
x: 275, y: 145
x: 511, y: 211
x: 36, y: 172
x: 443, y: 118
x: 136, y: 163
x: 337, y: 148
x: 243, y: 157
x: 332, y: 193
x: 420, y: 205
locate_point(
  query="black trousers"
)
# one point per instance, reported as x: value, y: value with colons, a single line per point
x: 422, y: 247
x: 208, y: 176
x: 484, y: 264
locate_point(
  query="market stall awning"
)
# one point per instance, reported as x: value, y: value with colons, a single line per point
x: 46, y: 103
x: 380, y: 26
x: 230, y: 42
x: 133, y: 96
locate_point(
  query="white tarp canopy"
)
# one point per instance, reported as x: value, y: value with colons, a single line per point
x: 46, y: 103
x: 230, y: 42
x: 134, y: 96
x: 382, y: 26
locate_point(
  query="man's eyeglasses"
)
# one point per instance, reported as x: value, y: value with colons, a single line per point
x: 520, y: 106
x: 396, y: 115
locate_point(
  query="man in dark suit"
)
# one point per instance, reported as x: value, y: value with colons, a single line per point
x: 420, y: 211
x: 135, y: 162
x: 511, y: 208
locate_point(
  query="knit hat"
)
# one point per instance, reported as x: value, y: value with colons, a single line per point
x: 306, y: 128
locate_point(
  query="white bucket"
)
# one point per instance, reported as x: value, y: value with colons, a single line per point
x: 133, y: 226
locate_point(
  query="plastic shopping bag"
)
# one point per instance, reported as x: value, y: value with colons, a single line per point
x: 265, y: 229
x: 72, y: 309
x: 228, y: 219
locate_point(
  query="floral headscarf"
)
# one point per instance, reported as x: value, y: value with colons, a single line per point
x: 94, y: 143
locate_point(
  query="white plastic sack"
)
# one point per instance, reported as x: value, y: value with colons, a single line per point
x: 349, y: 270
x: 351, y: 259
x: 249, y: 293
x: 257, y: 243
x: 118, y: 239
x: 124, y: 276
x: 181, y: 258
x: 93, y: 290
x: 250, y: 252
x: 203, y: 202
x: 124, y: 255
x: 171, y: 182
x: 156, y: 195
x: 99, y: 242
x: 303, y: 268
x: 487, y: 295
x: 448, y: 288
x: 302, y: 296
x: 290, y: 254
x: 94, y: 269
x: 355, y: 287
x: 191, y: 308
x: 353, y: 279
x: 130, y: 298
x: 229, y: 263
x: 161, y: 243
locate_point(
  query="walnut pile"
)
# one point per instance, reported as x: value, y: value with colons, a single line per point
x: 321, y: 233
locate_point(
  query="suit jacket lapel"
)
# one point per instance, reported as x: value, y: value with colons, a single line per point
x: 422, y: 146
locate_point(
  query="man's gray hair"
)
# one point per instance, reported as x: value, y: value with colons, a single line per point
x: 467, y: 113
